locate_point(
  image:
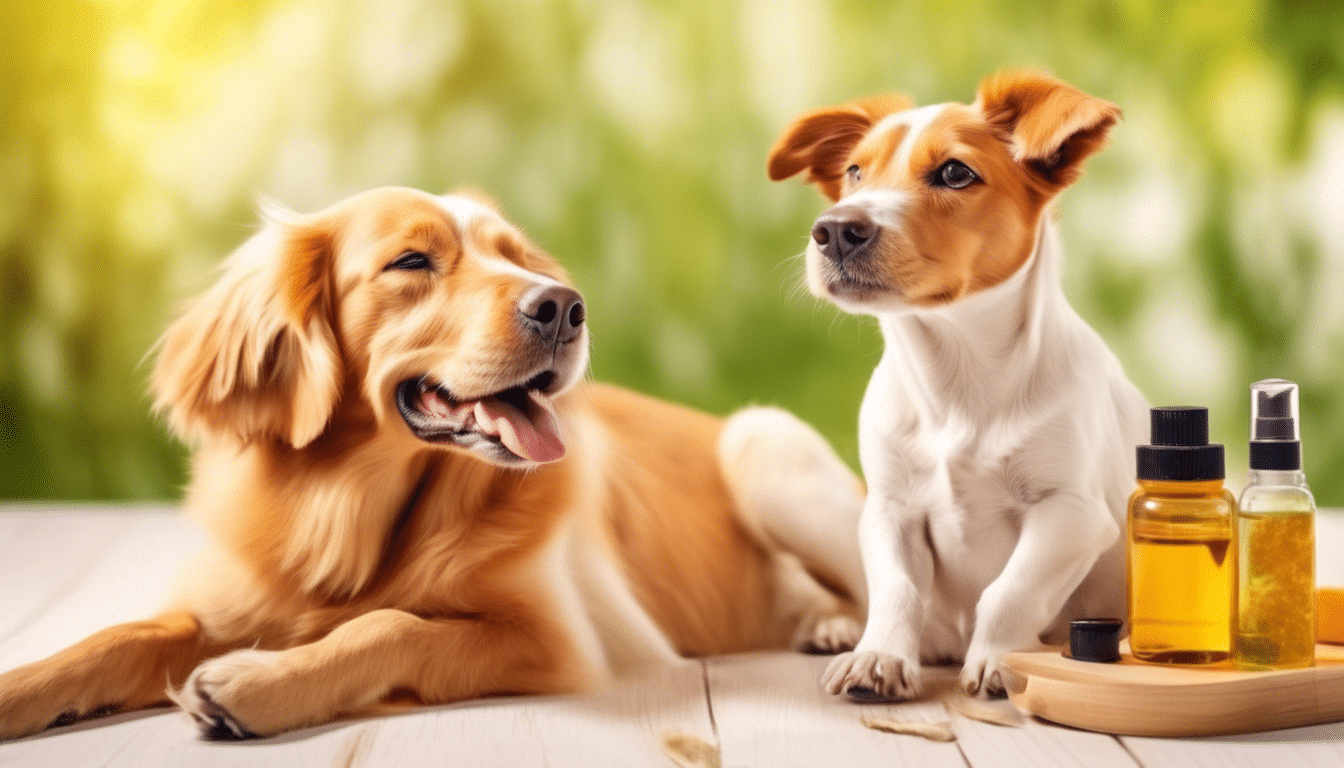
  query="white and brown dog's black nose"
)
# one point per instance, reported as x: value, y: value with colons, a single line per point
x: 844, y: 231
x: 555, y: 312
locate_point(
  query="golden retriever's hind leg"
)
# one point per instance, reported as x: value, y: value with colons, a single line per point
x: 793, y: 492
x: 360, y: 664
x: 813, y: 619
x: 121, y: 668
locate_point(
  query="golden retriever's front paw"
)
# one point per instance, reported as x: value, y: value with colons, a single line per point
x: 212, y: 694
x: 834, y: 633
x: 19, y: 718
x: 33, y: 698
x: 980, y: 674
x: 872, y: 676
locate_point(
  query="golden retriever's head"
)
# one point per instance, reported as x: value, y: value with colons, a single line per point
x: 937, y: 202
x: 394, y: 301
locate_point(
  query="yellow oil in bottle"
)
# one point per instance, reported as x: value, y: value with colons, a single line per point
x: 1276, y: 621
x: 1182, y: 572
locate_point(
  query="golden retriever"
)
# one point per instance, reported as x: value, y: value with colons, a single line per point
x: 413, y: 494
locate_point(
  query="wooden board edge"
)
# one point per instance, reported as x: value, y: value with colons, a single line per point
x: 1098, y: 702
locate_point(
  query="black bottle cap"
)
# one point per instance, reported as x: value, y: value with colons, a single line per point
x: 1276, y: 454
x: 1095, y: 639
x: 1180, y: 449
x: 1180, y: 425
x: 1274, y: 437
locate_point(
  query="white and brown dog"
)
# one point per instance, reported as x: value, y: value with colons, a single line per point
x: 997, y: 432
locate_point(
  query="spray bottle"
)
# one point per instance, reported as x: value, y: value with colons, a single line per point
x: 1276, y: 584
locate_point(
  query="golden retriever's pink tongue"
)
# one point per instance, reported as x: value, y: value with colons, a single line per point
x: 532, y: 434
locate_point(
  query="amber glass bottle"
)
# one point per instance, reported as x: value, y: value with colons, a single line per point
x: 1181, y: 544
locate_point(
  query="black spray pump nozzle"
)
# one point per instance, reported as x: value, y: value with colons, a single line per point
x: 1276, y: 405
x: 1274, y: 435
x: 1180, y: 448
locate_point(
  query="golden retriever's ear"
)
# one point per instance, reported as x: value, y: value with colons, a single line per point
x: 1054, y: 126
x: 256, y: 355
x: 477, y: 195
x: 820, y: 141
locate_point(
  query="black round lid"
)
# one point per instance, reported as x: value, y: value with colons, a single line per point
x: 1095, y: 639
x: 1180, y: 449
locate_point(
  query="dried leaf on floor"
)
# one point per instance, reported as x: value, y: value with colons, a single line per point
x: 688, y: 751
x: 932, y: 731
x: 964, y: 705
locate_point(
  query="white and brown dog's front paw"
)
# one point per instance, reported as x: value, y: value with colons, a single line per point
x: 980, y: 675
x: 872, y: 676
x: 213, y: 693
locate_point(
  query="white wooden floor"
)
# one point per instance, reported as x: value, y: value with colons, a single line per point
x: 67, y: 572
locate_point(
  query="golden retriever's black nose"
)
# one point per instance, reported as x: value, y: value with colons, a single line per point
x: 555, y: 312
x: 844, y: 231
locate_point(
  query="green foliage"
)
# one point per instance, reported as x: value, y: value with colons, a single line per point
x: 629, y: 139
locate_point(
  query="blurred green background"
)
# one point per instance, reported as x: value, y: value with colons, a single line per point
x: 1206, y: 244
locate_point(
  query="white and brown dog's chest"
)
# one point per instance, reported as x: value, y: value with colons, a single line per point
x: 973, y: 526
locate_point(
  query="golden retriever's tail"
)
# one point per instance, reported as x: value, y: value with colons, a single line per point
x: 793, y: 492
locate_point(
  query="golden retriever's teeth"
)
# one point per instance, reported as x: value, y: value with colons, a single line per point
x: 432, y: 403
x: 483, y: 421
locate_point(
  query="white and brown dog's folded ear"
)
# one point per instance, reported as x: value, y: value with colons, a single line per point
x: 1053, y: 126
x: 820, y: 141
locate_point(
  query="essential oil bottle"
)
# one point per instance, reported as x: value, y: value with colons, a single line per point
x: 1276, y: 583
x: 1181, y: 544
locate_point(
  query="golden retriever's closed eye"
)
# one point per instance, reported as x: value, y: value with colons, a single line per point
x: 413, y: 492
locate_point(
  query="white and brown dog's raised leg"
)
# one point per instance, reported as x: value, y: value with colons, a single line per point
x: 1062, y: 537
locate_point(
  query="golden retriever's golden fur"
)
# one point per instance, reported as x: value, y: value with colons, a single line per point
x: 378, y: 395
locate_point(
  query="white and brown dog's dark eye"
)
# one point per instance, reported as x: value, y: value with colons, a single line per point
x: 955, y: 174
x: 854, y: 174
x: 410, y: 260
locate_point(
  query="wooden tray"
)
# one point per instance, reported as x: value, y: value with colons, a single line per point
x: 1136, y: 699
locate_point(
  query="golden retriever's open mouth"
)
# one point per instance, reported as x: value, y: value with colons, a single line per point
x: 508, y: 425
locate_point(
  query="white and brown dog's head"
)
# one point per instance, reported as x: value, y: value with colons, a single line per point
x: 935, y: 203
x: 394, y: 301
